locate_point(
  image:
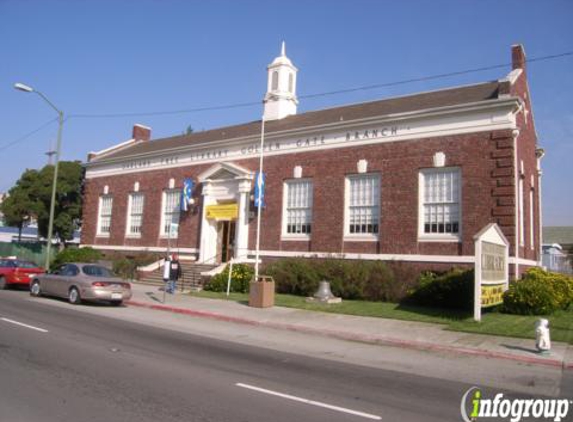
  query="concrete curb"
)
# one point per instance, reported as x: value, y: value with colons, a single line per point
x: 371, y: 339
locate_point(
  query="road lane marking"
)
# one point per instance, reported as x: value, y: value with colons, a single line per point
x: 11, y: 321
x: 311, y: 402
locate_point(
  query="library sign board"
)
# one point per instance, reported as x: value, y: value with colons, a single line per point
x: 491, y: 268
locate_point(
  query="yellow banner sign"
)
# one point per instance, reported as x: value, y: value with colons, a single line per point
x: 223, y: 212
x: 491, y: 295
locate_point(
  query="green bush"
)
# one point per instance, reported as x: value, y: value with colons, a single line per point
x: 359, y: 280
x: 561, y: 284
x: 242, y: 275
x: 406, y: 280
x: 126, y: 266
x: 453, y: 289
x: 538, y: 293
x: 296, y: 276
x: 73, y: 254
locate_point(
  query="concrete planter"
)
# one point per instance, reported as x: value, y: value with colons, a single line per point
x: 262, y: 292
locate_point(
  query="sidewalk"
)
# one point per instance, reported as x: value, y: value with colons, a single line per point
x: 407, y: 334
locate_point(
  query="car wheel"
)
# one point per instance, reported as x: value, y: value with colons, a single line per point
x: 35, y: 289
x: 3, y: 284
x: 116, y: 302
x: 74, y: 296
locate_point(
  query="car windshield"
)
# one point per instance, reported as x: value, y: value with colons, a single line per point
x: 25, y: 264
x: 97, y: 271
x: 6, y: 263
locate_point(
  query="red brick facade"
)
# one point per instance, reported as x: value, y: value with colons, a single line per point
x: 489, y: 162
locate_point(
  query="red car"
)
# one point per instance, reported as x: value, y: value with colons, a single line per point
x: 15, y: 272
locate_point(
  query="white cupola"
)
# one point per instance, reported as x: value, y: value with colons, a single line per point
x: 280, y: 99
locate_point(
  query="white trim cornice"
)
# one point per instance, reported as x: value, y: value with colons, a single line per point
x: 509, y: 102
x: 457, y: 259
x: 446, y: 121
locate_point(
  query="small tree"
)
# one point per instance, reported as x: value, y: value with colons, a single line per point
x: 32, y: 196
x: 68, y: 204
x: 16, y: 210
x: 20, y: 205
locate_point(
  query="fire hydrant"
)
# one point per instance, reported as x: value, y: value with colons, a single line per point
x: 542, y: 336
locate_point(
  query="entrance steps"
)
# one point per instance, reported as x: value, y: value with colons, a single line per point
x: 190, y: 280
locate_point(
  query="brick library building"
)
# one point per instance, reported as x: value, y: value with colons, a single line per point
x: 409, y: 179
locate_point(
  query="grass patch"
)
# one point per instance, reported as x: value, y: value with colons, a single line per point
x: 494, y: 323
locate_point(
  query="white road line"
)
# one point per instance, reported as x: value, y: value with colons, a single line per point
x: 311, y: 402
x: 24, y: 325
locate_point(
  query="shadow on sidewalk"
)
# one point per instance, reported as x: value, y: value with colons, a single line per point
x: 152, y: 296
x: 523, y: 349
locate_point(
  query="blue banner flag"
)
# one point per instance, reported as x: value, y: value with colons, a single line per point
x: 260, y: 190
x: 186, y: 194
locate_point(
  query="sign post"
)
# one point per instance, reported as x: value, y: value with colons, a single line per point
x: 491, y: 268
x: 230, y: 276
x: 173, y: 228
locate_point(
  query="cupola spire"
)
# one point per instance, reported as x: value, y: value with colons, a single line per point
x: 280, y: 99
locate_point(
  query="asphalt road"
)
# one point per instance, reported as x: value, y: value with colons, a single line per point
x: 85, y: 367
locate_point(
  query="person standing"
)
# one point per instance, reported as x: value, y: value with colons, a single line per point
x: 174, y: 274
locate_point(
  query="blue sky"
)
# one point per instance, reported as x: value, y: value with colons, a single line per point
x: 108, y: 57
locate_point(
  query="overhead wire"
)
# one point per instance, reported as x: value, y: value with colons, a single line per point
x: 26, y: 136
x: 323, y: 94
x: 315, y: 95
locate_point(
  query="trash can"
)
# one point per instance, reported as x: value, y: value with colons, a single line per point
x: 262, y: 292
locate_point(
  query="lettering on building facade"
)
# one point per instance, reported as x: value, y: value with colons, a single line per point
x: 253, y: 148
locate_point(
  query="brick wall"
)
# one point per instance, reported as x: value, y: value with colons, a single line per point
x: 526, y: 147
x: 487, y: 196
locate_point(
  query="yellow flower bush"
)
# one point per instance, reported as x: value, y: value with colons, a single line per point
x: 539, y: 292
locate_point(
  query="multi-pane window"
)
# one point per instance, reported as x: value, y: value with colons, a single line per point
x: 170, y: 215
x: 104, y: 218
x: 440, y: 202
x: 135, y: 217
x: 298, y: 207
x: 363, y: 204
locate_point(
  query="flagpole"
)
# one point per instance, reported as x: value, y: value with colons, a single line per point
x: 259, y: 194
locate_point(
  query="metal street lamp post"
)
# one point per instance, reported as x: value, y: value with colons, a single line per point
x: 26, y: 88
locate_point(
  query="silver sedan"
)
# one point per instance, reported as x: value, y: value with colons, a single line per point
x: 78, y: 282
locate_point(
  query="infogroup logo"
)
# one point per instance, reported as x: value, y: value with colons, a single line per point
x: 475, y: 407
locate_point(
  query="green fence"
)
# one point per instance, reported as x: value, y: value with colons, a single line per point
x: 35, y: 252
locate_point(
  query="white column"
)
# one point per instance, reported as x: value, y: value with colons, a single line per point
x: 242, y: 227
x: 208, y: 245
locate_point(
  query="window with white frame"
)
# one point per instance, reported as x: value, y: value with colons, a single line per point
x: 531, y: 220
x: 297, y: 208
x: 363, y: 205
x: 440, y: 193
x: 521, y: 233
x: 104, y: 215
x: 170, y: 214
x: 135, y: 214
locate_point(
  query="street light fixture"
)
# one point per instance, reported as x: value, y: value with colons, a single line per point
x: 26, y: 88
x: 22, y: 87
